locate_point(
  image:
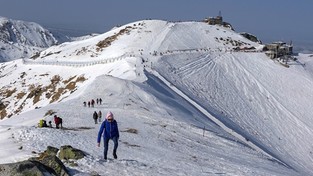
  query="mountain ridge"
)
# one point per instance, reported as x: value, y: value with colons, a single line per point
x: 243, y: 89
x: 147, y: 37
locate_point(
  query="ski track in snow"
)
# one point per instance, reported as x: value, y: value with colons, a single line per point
x: 250, y: 79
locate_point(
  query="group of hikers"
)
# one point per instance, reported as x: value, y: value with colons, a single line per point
x: 92, y: 102
x: 97, y: 116
x: 57, y: 121
x: 108, y: 130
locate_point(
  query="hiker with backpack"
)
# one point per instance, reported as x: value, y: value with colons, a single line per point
x: 58, y: 121
x: 109, y: 130
x: 100, y: 100
x: 42, y: 123
x: 93, y: 103
x: 99, y: 116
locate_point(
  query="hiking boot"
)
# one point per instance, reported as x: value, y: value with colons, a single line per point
x: 105, y: 158
x: 114, y: 155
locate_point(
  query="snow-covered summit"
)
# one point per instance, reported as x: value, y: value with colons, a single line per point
x: 148, y: 37
x: 21, y: 39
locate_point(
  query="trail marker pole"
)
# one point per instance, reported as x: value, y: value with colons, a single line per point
x: 203, y: 130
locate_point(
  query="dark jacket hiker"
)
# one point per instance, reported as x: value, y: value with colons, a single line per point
x: 109, y: 130
x: 95, y: 117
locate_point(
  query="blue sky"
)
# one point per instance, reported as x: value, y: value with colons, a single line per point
x: 268, y: 19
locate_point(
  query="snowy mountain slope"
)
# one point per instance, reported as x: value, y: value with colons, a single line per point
x: 20, y: 39
x: 144, y: 39
x: 147, y: 38
x: 269, y: 104
x: 26, y: 87
x: 242, y: 89
x: 163, y: 145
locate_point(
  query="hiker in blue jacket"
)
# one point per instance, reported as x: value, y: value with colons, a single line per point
x: 109, y: 130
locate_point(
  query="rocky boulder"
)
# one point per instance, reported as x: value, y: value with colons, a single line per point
x: 67, y: 152
x: 25, y: 168
x: 52, y: 162
x: 51, y: 151
x: 46, y: 164
x: 251, y: 37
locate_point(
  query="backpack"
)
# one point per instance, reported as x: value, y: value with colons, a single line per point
x: 41, y: 123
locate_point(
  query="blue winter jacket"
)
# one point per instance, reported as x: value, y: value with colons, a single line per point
x: 109, y: 130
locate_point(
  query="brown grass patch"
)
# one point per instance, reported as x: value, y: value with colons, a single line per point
x: 35, y: 93
x: 81, y: 79
x: 53, y: 92
x: 57, y: 95
x: 20, y: 95
x: 68, y: 80
x: 108, y: 41
x: 71, y: 86
x: 8, y: 92
x: 55, y: 79
x: 3, y: 113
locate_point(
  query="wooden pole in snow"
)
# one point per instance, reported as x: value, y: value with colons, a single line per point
x: 203, y: 130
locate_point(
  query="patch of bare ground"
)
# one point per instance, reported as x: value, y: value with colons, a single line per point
x: 20, y: 95
x: 35, y: 92
x: 108, y: 41
x: 81, y: 79
x: 68, y: 80
x: 71, y: 87
x: 53, y: 91
x: 57, y: 95
x: 49, y: 113
x: 7, y: 92
x: 3, y: 112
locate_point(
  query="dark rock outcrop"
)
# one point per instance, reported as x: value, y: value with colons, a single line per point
x: 49, y: 159
x: 251, y: 37
x: 27, y: 167
x: 46, y: 163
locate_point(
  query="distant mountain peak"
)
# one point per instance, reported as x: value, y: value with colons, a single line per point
x: 20, y: 39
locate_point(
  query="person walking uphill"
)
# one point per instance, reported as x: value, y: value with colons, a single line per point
x: 95, y: 117
x: 109, y: 129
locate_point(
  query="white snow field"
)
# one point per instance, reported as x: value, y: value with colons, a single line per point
x: 196, y: 106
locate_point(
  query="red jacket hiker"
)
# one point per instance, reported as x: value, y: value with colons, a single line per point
x: 57, y: 121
